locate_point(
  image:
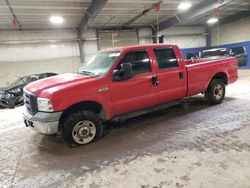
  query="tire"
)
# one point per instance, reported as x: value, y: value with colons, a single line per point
x: 82, y: 128
x: 215, y: 93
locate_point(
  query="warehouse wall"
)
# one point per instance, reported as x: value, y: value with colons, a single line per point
x: 185, y: 37
x: 90, y: 44
x: 25, y: 52
x: 233, y: 34
x: 144, y: 35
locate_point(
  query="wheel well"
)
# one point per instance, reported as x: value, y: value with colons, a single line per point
x: 92, y: 106
x: 222, y: 76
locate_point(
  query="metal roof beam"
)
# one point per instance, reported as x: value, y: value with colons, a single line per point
x: 151, y: 7
x: 93, y: 10
x: 235, y: 17
x: 13, y: 15
x: 192, y: 14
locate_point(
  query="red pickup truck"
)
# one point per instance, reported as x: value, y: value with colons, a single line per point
x: 121, y: 82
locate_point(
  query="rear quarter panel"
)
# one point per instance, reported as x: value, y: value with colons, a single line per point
x: 200, y: 73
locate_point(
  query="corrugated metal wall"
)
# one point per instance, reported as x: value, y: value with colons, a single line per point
x: 110, y: 39
x: 28, y: 52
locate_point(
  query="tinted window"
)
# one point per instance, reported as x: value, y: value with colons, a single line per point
x: 166, y: 58
x: 51, y: 74
x: 139, y: 61
x: 238, y: 50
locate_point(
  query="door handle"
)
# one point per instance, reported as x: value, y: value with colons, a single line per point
x: 155, y: 81
x: 180, y: 75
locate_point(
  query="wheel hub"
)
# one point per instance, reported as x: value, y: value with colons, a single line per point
x: 84, y: 132
x: 218, y: 91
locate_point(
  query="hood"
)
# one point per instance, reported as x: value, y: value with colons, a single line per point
x: 55, y: 83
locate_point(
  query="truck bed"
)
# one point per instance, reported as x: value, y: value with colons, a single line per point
x: 200, y: 71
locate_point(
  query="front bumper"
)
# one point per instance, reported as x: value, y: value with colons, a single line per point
x: 42, y: 122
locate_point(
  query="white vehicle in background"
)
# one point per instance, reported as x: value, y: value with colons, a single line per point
x: 215, y: 53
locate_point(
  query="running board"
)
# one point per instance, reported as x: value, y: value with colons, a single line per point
x: 123, y: 118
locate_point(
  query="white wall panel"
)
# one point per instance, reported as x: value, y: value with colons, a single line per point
x: 40, y: 51
x: 37, y: 35
x: 90, y: 44
x: 109, y: 39
x: 27, y: 52
x: 187, y: 41
x: 237, y: 31
x: 10, y: 71
x: 185, y: 37
x: 144, y: 36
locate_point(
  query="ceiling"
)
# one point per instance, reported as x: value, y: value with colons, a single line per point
x: 233, y: 8
x: 34, y: 14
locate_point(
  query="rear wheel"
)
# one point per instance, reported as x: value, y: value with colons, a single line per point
x: 82, y: 128
x: 215, y: 93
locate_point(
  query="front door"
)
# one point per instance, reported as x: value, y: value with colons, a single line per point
x: 137, y: 92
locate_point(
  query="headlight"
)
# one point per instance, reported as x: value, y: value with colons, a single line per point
x: 44, y: 105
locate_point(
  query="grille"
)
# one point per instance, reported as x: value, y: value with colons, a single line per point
x: 30, y: 102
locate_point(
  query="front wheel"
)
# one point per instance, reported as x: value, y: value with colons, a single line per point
x: 215, y: 93
x: 82, y: 128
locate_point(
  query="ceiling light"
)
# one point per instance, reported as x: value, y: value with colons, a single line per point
x: 184, y: 6
x: 56, y: 19
x: 212, y: 20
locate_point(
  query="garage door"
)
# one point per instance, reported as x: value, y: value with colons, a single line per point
x: 117, y: 38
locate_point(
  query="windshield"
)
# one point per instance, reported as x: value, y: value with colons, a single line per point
x: 24, y: 80
x: 99, y: 64
x: 18, y: 82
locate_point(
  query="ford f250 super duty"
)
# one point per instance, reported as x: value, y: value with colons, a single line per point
x: 120, y: 82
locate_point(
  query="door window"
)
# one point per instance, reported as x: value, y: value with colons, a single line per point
x: 166, y: 58
x: 238, y: 50
x: 139, y: 61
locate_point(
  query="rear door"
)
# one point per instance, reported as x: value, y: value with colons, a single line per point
x: 138, y: 92
x: 171, y: 75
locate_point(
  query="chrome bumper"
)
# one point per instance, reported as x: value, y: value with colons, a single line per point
x: 42, y: 122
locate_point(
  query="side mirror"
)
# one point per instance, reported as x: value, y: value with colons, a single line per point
x: 124, y: 73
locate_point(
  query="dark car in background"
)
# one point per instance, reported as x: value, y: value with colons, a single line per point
x: 12, y: 95
x: 215, y: 53
x: 241, y: 54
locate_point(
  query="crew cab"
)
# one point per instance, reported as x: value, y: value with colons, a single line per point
x: 120, y: 82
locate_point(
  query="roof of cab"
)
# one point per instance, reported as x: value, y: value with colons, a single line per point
x: 134, y: 47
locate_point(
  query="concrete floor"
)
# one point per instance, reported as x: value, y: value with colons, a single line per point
x: 190, y: 145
